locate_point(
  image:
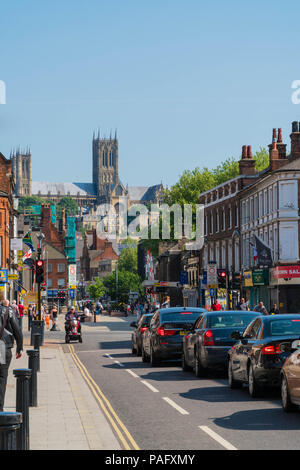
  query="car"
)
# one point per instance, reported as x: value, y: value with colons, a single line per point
x: 206, y: 346
x: 260, y: 352
x: 163, y: 339
x: 137, y: 335
x: 290, y: 379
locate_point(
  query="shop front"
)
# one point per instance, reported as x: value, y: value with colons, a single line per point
x: 256, y: 287
x: 285, y: 288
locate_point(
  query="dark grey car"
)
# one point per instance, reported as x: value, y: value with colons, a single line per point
x: 163, y: 339
x: 137, y: 335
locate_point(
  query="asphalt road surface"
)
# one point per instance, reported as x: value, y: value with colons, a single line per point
x: 165, y: 408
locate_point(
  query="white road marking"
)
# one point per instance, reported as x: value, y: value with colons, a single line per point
x: 177, y: 407
x: 132, y: 373
x: 119, y: 363
x: 108, y: 355
x: 218, y: 438
x: 153, y: 389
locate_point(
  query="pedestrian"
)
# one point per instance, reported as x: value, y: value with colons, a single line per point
x: 21, y: 309
x: 243, y: 305
x: 53, y: 316
x: 274, y: 310
x: 9, y: 331
x: 216, y: 306
x: 261, y: 308
x: 29, y: 317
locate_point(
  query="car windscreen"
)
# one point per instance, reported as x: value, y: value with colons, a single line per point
x: 233, y: 320
x: 187, y: 318
x: 284, y: 327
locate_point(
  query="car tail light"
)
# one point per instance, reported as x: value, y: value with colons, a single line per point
x: 271, y: 349
x: 162, y: 332
x: 208, y: 338
x: 143, y: 329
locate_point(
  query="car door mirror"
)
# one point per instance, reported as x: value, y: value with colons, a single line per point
x: 133, y: 324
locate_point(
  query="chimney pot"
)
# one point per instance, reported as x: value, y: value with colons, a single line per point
x: 295, y: 126
x: 274, y: 135
x: 249, y: 151
x: 279, y: 140
x: 244, y: 151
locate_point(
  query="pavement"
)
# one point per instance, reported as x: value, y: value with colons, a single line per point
x: 67, y: 416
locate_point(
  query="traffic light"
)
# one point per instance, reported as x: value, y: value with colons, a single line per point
x: 39, y: 271
x: 236, y: 281
x: 222, y: 279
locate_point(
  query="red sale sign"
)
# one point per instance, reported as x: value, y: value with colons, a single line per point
x: 286, y: 272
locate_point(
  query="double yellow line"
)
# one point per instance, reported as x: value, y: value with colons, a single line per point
x: 120, y: 429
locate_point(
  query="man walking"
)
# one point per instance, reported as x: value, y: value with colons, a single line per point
x: 261, y: 308
x: 9, y: 331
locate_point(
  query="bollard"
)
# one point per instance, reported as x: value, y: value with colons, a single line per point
x: 33, y: 363
x: 36, y: 345
x: 22, y: 406
x: 9, y: 425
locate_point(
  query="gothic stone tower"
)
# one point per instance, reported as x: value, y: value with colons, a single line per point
x: 21, y: 166
x: 105, y: 166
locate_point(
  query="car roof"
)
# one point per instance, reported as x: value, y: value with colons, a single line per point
x: 230, y: 312
x: 148, y: 314
x: 282, y: 316
x: 182, y: 309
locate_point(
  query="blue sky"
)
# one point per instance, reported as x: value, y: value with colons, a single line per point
x: 186, y: 83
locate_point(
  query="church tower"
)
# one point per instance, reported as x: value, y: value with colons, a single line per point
x: 21, y: 167
x: 105, y: 166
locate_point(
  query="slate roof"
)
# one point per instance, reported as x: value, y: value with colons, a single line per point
x: 64, y: 189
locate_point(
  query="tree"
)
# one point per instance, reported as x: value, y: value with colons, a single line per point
x: 97, y: 289
x: 70, y: 206
x: 262, y: 159
x: 128, y: 257
x: 127, y: 281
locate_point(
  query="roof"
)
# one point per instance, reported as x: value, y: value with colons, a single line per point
x: 143, y: 193
x: 63, y: 189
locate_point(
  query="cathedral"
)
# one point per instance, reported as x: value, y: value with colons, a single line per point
x: 106, y: 186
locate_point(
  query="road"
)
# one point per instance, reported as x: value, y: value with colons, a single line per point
x: 164, y: 408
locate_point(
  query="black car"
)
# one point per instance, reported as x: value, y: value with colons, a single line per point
x: 137, y: 336
x: 163, y: 339
x: 258, y: 356
x: 207, y: 345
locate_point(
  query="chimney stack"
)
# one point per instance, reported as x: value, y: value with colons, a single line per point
x: 247, y: 163
x: 295, y: 141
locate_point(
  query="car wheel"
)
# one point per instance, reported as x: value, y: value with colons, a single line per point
x: 145, y: 358
x: 200, y: 371
x: 287, y: 405
x: 133, y: 350
x: 231, y: 382
x: 254, y: 389
x: 153, y: 358
x: 185, y: 366
x: 138, y: 350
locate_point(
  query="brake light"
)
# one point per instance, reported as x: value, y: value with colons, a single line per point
x: 271, y: 349
x: 208, y: 338
x: 162, y: 332
x: 143, y: 329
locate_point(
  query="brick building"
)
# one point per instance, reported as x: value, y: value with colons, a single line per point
x: 6, y: 215
x: 99, y: 257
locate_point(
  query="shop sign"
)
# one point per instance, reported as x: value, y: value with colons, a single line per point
x: 286, y: 272
x: 259, y: 277
x: 248, y: 279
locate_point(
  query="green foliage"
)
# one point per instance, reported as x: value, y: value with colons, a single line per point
x: 127, y: 281
x: 97, y: 289
x: 70, y: 206
x: 262, y: 159
x: 128, y: 260
x: 28, y: 201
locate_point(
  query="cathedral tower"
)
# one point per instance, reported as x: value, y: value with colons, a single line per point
x: 105, y: 166
x: 21, y: 166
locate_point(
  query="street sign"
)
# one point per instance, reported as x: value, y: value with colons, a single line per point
x: 212, y: 276
x: 13, y: 277
x: 72, y: 274
x: 3, y: 275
